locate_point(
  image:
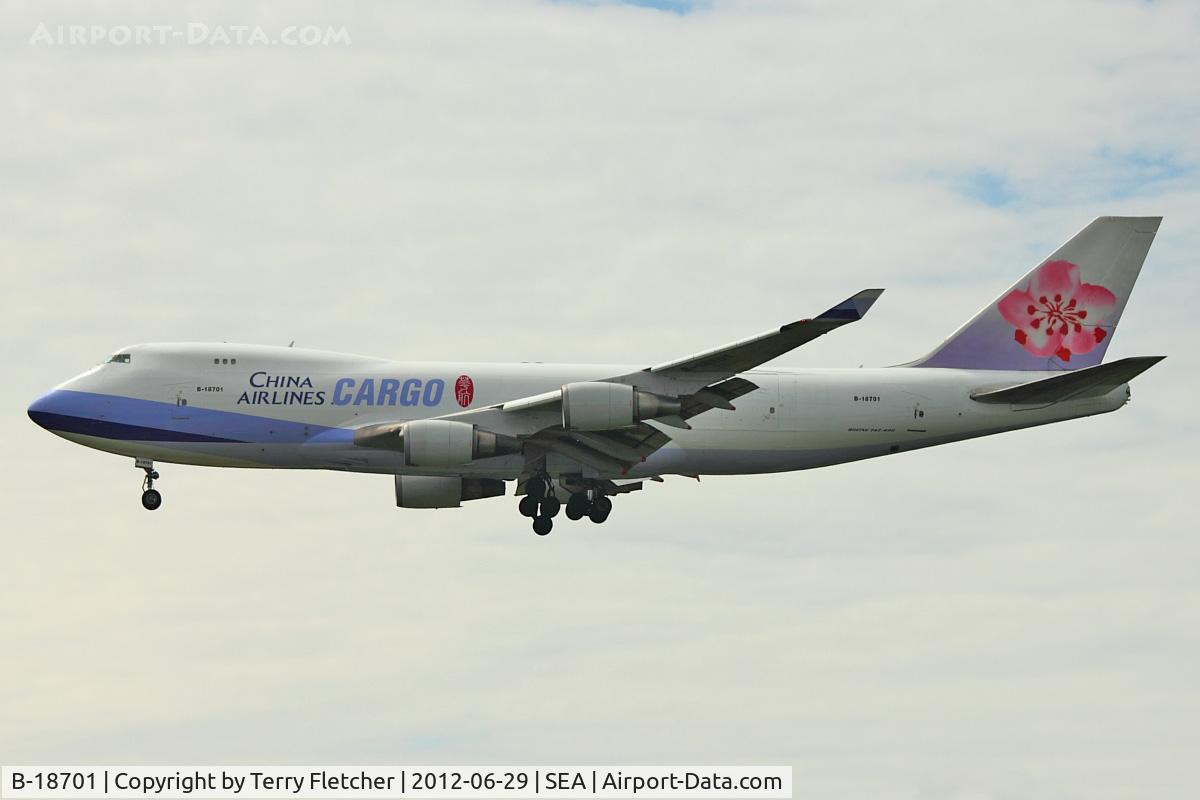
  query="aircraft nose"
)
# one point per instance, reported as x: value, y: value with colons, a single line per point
x: 46, y: 408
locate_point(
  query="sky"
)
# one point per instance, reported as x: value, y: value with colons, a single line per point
x: 618, y: 183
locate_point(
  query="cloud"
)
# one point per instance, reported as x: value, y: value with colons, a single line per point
x: 987, y: 187
x: 672, y: 6
x: 577, y: 182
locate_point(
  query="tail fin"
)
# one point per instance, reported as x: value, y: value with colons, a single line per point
x: 1062, y: 315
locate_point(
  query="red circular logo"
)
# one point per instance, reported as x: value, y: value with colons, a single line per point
x: 464, y: 390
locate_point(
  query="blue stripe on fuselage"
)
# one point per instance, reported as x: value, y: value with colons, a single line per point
x: 66, y: 423
x: 132, y: 419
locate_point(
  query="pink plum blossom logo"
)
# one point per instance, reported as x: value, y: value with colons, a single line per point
x: 1056, y: 314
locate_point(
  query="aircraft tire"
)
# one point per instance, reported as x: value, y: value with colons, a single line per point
x: 528, y: 506
x: 600, y: 509
x: 550, y: 506
x: 577, y: 506
x: 542, y: 525
x: 151, y: 499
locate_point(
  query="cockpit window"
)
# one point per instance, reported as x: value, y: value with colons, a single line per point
x: 119, y: 358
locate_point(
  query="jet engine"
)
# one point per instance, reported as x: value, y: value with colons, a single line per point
x: 437, y: 442
x: 426, y: 491
x: 600, y: 406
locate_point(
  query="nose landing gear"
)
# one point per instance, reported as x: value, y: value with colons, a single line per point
x: 151, y: 498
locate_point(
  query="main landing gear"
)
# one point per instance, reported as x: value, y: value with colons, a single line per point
x: 540, y: 504
x: 591, y: 504
x: 151, y: 498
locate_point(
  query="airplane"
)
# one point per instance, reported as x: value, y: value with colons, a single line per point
x: 575, y: 436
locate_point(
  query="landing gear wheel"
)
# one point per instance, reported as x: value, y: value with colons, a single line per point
x: 550, y: 506
x: 536, y: 487
x: 528, y: 506
x: 577, y: 505
x: 600, y: 509
x: 151, y: 499
x: 542, y: 525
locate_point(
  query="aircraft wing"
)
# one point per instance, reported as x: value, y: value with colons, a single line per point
x: 749, y: 353
x: 701, y: 382
x: 538, y: 421
x: 622, y: 448
x: 691, y: 376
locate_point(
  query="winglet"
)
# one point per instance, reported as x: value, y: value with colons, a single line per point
x: 854, y: 308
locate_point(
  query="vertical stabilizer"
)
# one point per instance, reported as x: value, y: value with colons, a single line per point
x: 1062, y: 315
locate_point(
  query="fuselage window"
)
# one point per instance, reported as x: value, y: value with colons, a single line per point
x: 216, y: 361
x: 224, y: 360
x: 233, y: 361
x: 119, y: 358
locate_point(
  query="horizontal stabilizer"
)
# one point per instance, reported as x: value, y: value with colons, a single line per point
x: 1090, y: 382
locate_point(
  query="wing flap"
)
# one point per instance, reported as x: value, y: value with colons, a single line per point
x: 556, y: 441
x: 718, y: 395
x: 615, y: 450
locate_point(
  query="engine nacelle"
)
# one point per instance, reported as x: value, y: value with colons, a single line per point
x: 437, y: 442
x: 425, y: 491
x: 600, y: 406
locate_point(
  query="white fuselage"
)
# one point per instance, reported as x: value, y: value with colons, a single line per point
x: 275, y: 407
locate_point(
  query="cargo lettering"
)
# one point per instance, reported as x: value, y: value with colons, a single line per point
x: 388, y: 392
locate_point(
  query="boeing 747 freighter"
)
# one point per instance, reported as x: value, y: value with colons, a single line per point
x: 577, y: 435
